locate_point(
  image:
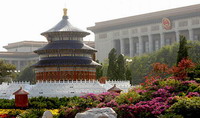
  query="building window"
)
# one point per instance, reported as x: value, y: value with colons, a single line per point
x: 146, y: 49
x: 134, y: 31
x: 155, y: 28
x: 102, y: 36
x: 125, y: 32
x: 183, y: 23
x: 156, y: 45
x: 144, y: 29
x: 137, y: 48
x: 115, y: 34
x: 195, y: 21
x: 167, y: 41
x: 173, y: 24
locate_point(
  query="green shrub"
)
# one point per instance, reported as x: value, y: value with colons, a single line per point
x: 14, y: 112
x: 32, y: 113
x: 169, y: 82
x: 128, y: 98
x: 82, y: 103
x: 197, y: 80
x: 187, y: 107
x: 193, y: 88
x: 170, y: 115
x: 48, y: 103
x: 7, y: 104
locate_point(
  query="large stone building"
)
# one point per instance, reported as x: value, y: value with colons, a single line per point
x: 21, y: 53
x: 146, y: 33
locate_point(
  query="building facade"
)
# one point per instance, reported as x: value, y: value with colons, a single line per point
x: 21, y: 53
x: 146, y: 33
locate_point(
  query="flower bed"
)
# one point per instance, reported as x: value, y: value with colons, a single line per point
x: 162, y: 95
x: 13, y: 113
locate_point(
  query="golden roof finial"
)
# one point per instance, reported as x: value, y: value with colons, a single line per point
x: 65, y: 11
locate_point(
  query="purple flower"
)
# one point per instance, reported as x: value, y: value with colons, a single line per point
x: 161, y: 93
x: 191, y: 94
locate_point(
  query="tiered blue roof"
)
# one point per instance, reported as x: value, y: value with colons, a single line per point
x: 66, y: 44
x: 66, y: 61
x: 65, y: 47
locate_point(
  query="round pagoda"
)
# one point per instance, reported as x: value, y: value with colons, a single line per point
x: 65, y: 57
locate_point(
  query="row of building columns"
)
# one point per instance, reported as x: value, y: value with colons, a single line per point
x: 150, y: 42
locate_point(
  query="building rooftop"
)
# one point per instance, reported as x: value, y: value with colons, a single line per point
x: 25, y: 43
x: 17, y: 55
x: 20, y: 92
x: 67, y: 45
x: 66, y: 61
x: 137, y: 19
x: 65, y: 26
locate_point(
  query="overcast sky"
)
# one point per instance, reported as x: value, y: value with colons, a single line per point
x: 27, y: 19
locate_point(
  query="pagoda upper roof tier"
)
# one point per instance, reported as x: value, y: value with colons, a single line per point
x: 64, y: 26
x: 66, y: 61
x: 65, y: 45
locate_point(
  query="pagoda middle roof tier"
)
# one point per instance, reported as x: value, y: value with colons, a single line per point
x: 66, y: 61
x: 65, y: 45
x: 64, y: 26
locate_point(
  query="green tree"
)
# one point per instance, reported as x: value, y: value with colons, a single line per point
x: 27, y: 74
x: 112, y: 67
x: 121, y: 68
x: 99, y: 71
x: 183, y: 49
x: 6, y: 70
x: 128, y: 73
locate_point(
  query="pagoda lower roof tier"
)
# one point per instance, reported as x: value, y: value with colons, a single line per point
x: 66, y: 61
x: 65, y: 45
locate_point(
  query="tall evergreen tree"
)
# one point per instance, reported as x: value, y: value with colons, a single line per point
x: 6, y: 69
x: 183, y: 49
x: 112, y: 58
x: 27, y: 74
x: 121, y: 68
x: 128, y: 73
x: 99, y: 71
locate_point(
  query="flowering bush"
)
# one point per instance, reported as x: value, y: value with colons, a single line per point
x: 6, y: 116
x: 159, y: 93
x: 193, y: 94
x: 181, y: 71
x: 108, y: 96
x: 92, y: 96
x: 67, y: 112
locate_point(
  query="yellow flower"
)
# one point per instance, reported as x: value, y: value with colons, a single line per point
x: 54, y: 111
x: 6, y: 111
